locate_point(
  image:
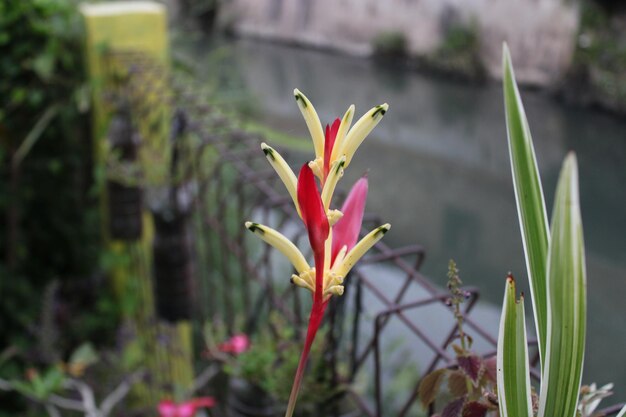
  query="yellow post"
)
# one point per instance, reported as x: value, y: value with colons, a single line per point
x: 127, y: 55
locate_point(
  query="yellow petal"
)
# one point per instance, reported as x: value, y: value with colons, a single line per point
x: 334, y: 290
x: 334, y: 174
x: 361, y: 129
x: 346, y: 121
x: 312, y: 122
x: 360, y: 249
x: 302, y: 283
x: 317, y: 166
x: 284, y: 172
x: 333, y: 216
x: 331, y: 278
x: 280, y: 242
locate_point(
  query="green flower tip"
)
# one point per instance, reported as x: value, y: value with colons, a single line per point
x: 380, y: 110
x: 341, y: 164
x: 254, y: 227
x: 299, y: 97
x: 267, y: 150
x: 383, y: 229
x: 349, y: 112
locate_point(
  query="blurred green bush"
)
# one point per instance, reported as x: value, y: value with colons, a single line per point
x: 390, y: 45
x: 49, y: 228
x: 597, y: 75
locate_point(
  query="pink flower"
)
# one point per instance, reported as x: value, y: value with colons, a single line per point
x: 168, y: 408
x: 236, y: 345
x: 346, y: 230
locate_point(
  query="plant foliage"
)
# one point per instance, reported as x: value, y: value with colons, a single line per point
x: 49, y: 222
x: 556, y: 268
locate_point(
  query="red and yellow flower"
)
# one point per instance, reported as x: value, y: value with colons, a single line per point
x: 332, y: 233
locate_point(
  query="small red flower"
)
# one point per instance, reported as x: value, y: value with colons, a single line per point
x: 168, y: 408
x: 237, y: 344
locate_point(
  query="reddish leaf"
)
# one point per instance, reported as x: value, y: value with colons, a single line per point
x: 473, y: 367
x: 475, y: 409
x: 429, y: 386
x: 491, y: 366
x: 457, y: 384
x: 453, y: 409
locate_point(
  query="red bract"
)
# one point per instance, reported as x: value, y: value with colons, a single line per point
x: 346, y: 230
x: 329, y: 143
x: 315, y: 221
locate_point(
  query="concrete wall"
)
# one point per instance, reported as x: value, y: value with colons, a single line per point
x: 540, y: 33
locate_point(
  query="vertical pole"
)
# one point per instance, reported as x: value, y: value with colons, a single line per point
x: 126, y: 36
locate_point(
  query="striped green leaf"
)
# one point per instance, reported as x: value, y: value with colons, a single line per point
x: 565, y: 344
x: 513, y: 377
x: 531, y: 207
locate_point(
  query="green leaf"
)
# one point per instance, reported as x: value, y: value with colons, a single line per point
x: 43, y: 65
x: 429, y: 386
x: 24, y: 388
x: 52, y: 381
x: 565, y: 345
x: 34, y: 134
x: 531, y: 207
x: 84, y: 355
x: 514, y: 394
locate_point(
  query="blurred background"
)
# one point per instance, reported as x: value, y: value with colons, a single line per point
x: 129, y: 141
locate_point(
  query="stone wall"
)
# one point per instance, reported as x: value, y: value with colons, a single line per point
x: 540, y: 33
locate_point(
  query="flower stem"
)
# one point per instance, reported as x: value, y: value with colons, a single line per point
x: 315, y: 319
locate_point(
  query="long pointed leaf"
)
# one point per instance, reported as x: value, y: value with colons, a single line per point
x: 565, y: 345
x: 513, y: 372
x: 531, y: 207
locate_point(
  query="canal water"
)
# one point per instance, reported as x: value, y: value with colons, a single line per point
x: 439, y: 171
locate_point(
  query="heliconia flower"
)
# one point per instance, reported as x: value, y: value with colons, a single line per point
x: 332, y: 233
x: 168, y: 408
x: 237, y: 344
